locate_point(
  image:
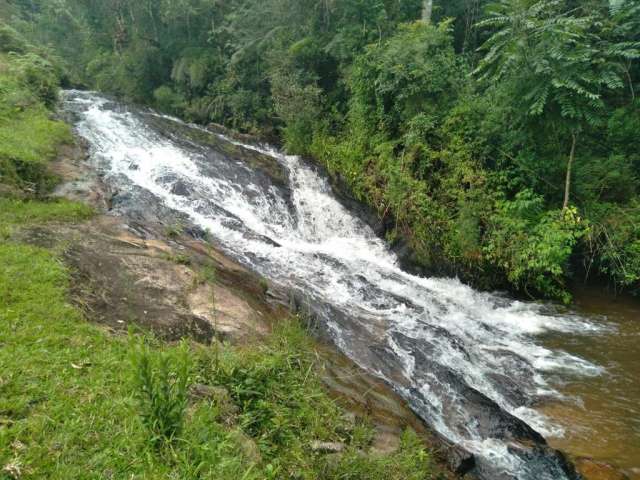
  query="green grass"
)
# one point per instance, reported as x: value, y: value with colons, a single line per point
x: 15, y: 214
x: 18, y: 212
x: 68, y: 405
x: 29, y: 137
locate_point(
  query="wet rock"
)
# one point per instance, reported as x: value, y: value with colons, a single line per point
x: 459, y: 460
x: 181, y: 188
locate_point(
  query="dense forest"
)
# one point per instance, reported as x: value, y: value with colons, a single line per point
x: 496, y: 139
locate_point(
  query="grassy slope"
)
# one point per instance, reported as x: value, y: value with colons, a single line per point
x: 68, y: 407
x: 29, y: 138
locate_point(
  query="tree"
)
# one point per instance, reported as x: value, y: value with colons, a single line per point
x: 556, y: 63
x: 427, y: 9
x: 623, y: 42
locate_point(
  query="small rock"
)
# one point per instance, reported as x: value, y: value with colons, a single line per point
x: 199, y: 391
x: 220, y: 396
x: 350, y: 418
x: 459, y: 460
x: 327, y: 447
x: 18, y: 446
x: 385, y: 442
x: 13, y: 470
x: 348, y: 424
x: 248, y: 445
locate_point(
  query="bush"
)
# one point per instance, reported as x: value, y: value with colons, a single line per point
x: 533, y: 246
x: 299, y: 108
x: 11, y: 41
x: 414, y: 74
x: 161, y: 383
x: 168, y: 101
x: 612, y: 246
x: 38, y: 75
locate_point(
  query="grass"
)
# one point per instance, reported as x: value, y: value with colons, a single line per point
x: 69, y: 408
x: 29, y: 137
x: 19, y: 213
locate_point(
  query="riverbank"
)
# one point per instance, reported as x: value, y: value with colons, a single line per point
x: 84, y: 296
x: 122, y: 276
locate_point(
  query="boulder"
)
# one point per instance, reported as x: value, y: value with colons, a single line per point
x: 459, y: 460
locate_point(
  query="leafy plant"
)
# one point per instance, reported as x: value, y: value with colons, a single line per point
x: 161, y: 382
x: 533, y: 246
x: 557, y: 63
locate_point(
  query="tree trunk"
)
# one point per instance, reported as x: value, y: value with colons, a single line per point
x: 427, y: 8
x: 630, y: 80
x: 567, y: 183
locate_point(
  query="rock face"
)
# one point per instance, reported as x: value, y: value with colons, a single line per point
x: 460, y: 461
x: 121, y: 279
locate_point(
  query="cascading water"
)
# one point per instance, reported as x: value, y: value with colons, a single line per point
x: 467, y: 362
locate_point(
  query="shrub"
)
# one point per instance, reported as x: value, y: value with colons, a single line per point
x: 11, y: 41
x: 533, y: 246
x: 167, y: 100
x: 161, y: 383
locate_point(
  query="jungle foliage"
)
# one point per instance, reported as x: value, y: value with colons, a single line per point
x: 498, y: 139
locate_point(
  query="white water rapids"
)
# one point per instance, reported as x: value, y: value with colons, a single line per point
x: 436, y: 341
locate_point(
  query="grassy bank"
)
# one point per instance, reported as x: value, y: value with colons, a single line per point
x: 70, y: 406
x: 77, y: 401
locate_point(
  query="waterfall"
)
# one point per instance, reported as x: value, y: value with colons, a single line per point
x: 469, y: 363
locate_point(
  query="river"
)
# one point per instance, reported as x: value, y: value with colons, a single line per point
x: 600, y: 416
x: 481, y: 369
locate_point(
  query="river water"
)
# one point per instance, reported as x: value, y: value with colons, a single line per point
x: 481, y: 369
x: 601, y: 415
